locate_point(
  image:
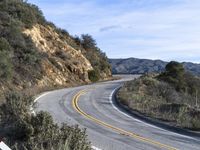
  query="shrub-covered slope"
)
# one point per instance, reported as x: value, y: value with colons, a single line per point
x: 35, y: 53
x: 172, y: 96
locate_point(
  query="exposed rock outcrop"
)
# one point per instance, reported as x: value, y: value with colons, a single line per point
x: 65, y: 65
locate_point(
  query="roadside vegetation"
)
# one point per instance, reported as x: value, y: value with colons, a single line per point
x: 172, y: 96
x: 22, y: 130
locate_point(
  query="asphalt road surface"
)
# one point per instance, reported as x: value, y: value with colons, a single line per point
x: 108, y: 128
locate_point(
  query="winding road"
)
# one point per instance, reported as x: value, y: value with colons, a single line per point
x: 108, y: 128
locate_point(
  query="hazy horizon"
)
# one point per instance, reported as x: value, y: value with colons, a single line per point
x: 150, y: 29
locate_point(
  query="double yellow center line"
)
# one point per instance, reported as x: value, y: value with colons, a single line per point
x: 118, y: 130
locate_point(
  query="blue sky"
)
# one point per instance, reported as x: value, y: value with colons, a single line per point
x: 154, y: 29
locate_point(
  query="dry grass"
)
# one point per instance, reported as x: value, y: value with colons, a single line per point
x: 160, y: 100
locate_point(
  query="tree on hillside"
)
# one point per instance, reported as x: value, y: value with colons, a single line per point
x: 174, y: 74
x: 77, y: 40
x: 175, y: 69
x: 88, y: 42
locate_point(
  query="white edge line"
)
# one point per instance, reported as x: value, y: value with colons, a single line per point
x: 127, y: 115
x: 38, y: 97
x: 35, y: 100
x: 95, y: 148
x: 3, y: 146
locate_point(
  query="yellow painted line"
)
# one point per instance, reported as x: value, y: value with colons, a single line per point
x: 118, y: 130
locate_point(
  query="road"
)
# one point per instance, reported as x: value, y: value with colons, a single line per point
x: 108, y: 128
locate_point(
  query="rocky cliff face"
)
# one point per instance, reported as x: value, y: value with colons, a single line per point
x: 64, y: 64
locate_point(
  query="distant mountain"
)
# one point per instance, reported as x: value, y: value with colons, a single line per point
x: 141, y: 66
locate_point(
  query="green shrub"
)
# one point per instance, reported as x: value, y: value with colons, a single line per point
x: 4, y: 45
x: 5, y: 66
x: 93, y: 75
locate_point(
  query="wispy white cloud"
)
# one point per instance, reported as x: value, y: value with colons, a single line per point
x: 165, y: 29
x: 107, y: 28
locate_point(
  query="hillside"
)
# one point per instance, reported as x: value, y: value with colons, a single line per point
x: 34, y: 53
x: 141, y: 66
x: 171, y: 97
x: 36, y: 56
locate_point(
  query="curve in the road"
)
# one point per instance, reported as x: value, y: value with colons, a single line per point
x: 116, y: 129
x: 94, y: 101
